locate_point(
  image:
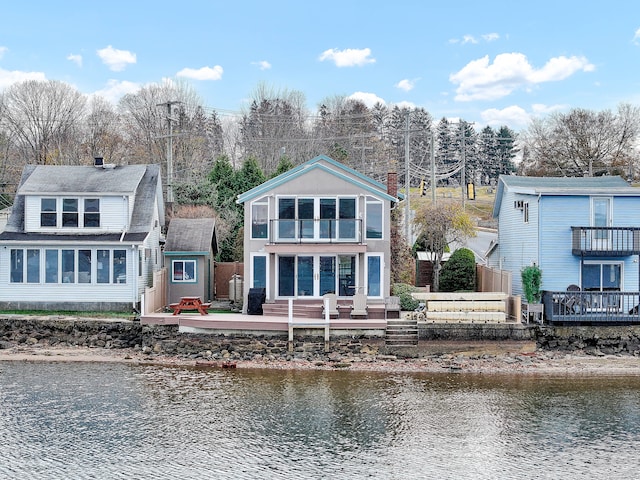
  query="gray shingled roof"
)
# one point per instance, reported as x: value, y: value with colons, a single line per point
x: 191, y: 235
x: 569, y: 184
x: 62, y: 179
x: 607, y: 185
x: 143, y: 180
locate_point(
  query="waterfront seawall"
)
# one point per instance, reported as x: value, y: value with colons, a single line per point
x: 43, y: 332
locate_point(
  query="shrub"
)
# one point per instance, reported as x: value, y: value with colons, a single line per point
x: 459, y: 272
x: 404, y: 290
x: 531, y: 283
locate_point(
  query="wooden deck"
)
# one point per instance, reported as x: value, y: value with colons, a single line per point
x: 259, y: 324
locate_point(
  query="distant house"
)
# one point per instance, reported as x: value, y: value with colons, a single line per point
x: 583, y: 233
x: 82, y: 237
x: 189, y: 252
x: 319, y: 228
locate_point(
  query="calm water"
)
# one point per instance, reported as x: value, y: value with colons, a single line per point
x: 111, y: 421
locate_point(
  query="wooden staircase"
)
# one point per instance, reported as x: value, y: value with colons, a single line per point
x: 401, y: 333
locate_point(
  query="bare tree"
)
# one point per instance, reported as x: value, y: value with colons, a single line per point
x: 43, y: 116
x: 440, y: 225
x: 274, y: 125
x: 103, y: 131
x: 583, y: 142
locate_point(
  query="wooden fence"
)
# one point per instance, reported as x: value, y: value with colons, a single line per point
x: 224, y: 273
x: 155, y: 297
x: 492, y: 280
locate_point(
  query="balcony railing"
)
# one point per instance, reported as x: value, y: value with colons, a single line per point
x: 592, y: 308
x: 605, y: 241
x: 316, y: 231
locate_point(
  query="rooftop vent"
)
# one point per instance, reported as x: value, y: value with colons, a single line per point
x: 98, y: 162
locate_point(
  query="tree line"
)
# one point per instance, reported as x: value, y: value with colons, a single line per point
x: 52, y: 123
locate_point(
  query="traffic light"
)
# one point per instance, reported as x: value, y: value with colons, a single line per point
x: 471, y: 191
x: 423, y: 188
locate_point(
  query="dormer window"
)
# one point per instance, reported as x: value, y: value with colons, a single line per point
x: 91, y: 212
x: 48, y: 212
x: 76, y: 212
x: 70, y: 212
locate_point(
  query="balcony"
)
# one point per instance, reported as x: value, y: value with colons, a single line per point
x: 592, y: 308
x: 605, y: 241
x: 316, y: 231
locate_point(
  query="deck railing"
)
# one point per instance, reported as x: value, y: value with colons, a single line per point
x: 346, y: 230
x: 605, y: 241
x: 591, y: 308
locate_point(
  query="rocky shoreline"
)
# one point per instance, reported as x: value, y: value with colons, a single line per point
x: 90, y: 340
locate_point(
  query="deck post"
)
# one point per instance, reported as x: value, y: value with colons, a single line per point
x: 327, y: 319
x: 290, y: 312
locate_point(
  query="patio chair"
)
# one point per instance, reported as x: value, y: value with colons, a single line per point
x: 392, y: 306
x: 332, y: 308
x: 359, y: 306
x: 573, y: 301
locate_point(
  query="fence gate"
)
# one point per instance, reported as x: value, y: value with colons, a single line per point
x: 224, y: 272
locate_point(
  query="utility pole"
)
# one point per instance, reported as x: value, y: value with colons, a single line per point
x: 463, y: 178
x: 432, y: 155
x: 407, y: 181
x: 170, y: 120
x: 363, y: 147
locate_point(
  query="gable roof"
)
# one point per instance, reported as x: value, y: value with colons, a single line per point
x: 541, y: 186
x: 326, y: 164
x: 142, y: 182
x: 191, y: 235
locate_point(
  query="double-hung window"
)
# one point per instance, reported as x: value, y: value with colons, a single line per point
x: 48, y: 212
x: 91, y: 212
x: 69, y: 212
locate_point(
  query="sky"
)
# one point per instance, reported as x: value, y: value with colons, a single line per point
x: 488, y: 62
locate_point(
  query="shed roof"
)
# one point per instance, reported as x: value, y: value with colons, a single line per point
x: 193, y: 235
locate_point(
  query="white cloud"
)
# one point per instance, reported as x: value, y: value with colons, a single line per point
x: 636, y: 37
x: 349, y: 57
x: 262, y: 64
x: 77, y: 59
x: 369, y: 99
x: 3, y: 50
x: 406, y: 85
x: 469, y: 39
x: 513, y: 116
x: 116, y: 60
x: 480, y: 80
x: 8, y: 78
x: 487, y: 37
x: 516, y: 116
x: 116, y: 89
x: 204, y: 73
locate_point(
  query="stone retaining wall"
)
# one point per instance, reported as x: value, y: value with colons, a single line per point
x: 166, y: 340
x: 607, y: 340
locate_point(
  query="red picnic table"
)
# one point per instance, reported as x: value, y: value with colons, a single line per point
x: 190, y: 303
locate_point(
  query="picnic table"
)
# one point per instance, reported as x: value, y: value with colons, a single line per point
x: 190, y: 303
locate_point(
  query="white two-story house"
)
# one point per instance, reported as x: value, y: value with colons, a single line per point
x: 319, y: 228
x: 82, y: 237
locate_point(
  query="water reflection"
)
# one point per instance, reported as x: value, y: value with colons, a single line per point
x: 120, y: 421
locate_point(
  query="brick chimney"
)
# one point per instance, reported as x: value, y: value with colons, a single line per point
x: 392, y: 184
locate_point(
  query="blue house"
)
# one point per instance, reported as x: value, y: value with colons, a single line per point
x: 583, y: 233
